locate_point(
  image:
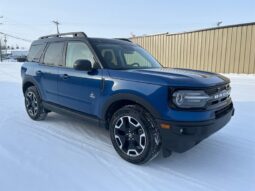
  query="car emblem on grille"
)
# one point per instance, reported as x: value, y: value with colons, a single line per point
x: 221, y: 94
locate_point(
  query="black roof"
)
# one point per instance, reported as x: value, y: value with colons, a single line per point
x: 79, y: 35
x: 109, y: 41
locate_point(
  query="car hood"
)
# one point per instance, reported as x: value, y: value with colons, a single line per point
x: 171, y: 76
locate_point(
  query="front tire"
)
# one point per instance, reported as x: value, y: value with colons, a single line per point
x: 33, y: 104
x: 134, y: 134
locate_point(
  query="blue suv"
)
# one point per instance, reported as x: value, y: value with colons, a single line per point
x: 120, y: 86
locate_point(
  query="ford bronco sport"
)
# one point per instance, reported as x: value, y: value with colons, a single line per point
x: 116, y: 83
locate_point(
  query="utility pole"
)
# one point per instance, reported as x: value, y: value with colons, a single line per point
x: 56, y: 23
x: 1, y: 59
x: 1, y: 50
x: 5, y: 44
x: 1, y: 18
x: 219, y: 23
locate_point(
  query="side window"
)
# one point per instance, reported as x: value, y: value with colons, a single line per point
x: 78, y: 51
x: 53, y: 54
x: 35, y: 52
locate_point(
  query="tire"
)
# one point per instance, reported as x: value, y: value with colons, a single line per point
x: 33, y: 104
x: 134, y: 134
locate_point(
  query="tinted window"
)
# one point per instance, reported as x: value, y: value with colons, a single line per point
x: 78, y: 51
x: 53, y: 54
x: 35, y: 52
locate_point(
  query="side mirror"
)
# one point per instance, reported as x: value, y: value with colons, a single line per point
x: 83, y: 65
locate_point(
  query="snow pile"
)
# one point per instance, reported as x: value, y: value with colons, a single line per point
x: 64, y: 153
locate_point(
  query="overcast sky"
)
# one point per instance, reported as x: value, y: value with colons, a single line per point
x: 30, y: 19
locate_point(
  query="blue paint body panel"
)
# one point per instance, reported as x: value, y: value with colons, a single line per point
x: 90, y: 92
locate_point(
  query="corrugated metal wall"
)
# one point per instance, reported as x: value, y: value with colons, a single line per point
x: 229, y: 49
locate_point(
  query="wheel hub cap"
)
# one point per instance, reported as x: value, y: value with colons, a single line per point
x: 31, y: 103
x: 130, y: 136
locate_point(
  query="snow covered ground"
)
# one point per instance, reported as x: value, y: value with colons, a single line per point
x: 64, y: 153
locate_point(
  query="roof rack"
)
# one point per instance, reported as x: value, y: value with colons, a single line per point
x: 74, y: 34
x: 124, y: 39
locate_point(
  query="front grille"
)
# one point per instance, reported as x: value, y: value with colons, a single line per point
x: 219, y: 97
x: 217, y: 89
x: 215, y: 92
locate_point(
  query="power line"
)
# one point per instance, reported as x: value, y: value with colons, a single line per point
x: 12, y: 36
x: 16, y: 37
x: 31, y: 26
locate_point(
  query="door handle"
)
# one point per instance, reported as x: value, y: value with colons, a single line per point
x: 64, y: 76
x: 39, y: 73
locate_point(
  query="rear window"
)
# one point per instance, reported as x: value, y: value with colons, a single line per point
x: 53, y: 54
x: 35, y: 52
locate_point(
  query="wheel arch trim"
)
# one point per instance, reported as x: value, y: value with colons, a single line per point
x: 29, y: 79
x: 129, y: 97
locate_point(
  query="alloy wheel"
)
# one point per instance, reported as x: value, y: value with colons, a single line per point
x: 130, y: 136
x: 31, y: 103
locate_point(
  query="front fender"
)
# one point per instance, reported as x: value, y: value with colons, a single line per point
x: 130, y: 97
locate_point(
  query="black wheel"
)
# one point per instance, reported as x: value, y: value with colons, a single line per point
x: 33, y: 103
x: 134, y: 134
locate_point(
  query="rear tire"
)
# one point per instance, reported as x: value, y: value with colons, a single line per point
x: 134, y: 134
x: 33, y: 104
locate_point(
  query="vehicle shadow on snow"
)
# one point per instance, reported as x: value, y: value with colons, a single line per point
x: 78, y: 127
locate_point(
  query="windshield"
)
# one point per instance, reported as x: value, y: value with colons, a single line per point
x: 122, y: 57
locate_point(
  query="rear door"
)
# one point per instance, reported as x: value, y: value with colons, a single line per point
x: 47, y: 73
x: 79, y: 90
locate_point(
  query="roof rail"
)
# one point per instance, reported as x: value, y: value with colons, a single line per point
x: 74, y: 34
x: 124, y: 39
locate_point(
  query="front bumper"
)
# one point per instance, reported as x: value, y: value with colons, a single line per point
x: 181, y: 136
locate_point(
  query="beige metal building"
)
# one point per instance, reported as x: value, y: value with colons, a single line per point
x: 228, y: 49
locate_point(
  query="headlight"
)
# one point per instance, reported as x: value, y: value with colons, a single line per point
x: 190, y: 99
